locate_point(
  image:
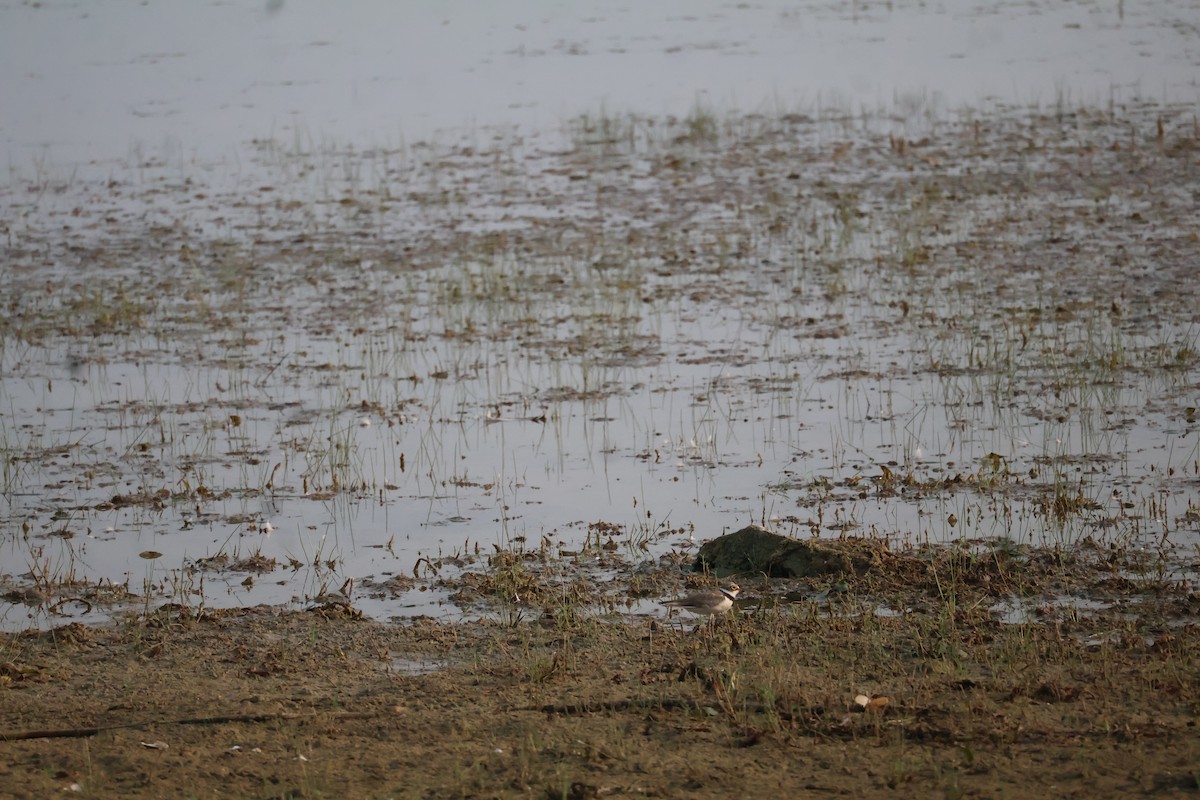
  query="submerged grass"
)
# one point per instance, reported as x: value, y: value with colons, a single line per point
x: 917, y: 325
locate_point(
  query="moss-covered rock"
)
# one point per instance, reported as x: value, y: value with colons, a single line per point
x: 759, y: 551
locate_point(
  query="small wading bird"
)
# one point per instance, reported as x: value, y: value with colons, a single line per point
x: 707, y: 602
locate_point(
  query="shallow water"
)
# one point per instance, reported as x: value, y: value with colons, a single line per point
x: 926, y: 324
x: 184, y: 81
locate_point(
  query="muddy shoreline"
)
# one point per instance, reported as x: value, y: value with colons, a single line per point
x: 573, y: 702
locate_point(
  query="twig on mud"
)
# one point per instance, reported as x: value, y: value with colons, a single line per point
x: 75, y: 733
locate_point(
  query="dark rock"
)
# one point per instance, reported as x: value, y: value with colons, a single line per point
x: 755, y: 550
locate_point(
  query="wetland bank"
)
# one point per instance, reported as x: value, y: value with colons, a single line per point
x: 376, y: 467
x: 352, y: 451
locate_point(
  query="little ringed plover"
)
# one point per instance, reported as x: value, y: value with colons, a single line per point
x: 707, y: 601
